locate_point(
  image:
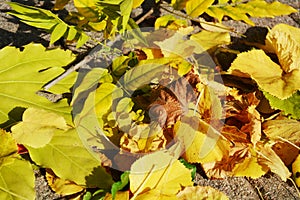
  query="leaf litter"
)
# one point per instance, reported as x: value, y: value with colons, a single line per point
x: 183, y: 113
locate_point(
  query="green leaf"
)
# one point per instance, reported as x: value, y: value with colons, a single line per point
x: 66, y: 151
x: 16, y: 175
x: 194, y: 8
x: 58, y: 32
x: 126, y: 8
x: 290, y: 106
x: 120, y: 184
x: 24, y: 75
x: 45, y: 19
x: 256, y: 8
x: 37, y: 127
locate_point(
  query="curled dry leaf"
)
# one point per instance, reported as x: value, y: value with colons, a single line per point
x: 62, y: 186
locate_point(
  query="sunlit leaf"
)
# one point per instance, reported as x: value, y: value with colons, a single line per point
x: 62, y: 186
x: 37, y: 127
x: 249, y: 168
x: 121, y: 195
x: 270, y: 159
x: 16, y: 175
x: 208, y: 40
x: 289, y: 106
x: 194, y: 8
x: 201, y: 192
x: 296, y: 170
x: 288, y: 129
x: 45, y: 19
x: 158, y: 171
x: 66, y: 151
x: 271, y: 77
x: 241, y: 10
x: 202, y: 142
x: 24, y: 75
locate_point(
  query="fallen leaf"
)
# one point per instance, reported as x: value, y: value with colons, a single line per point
x: 201, y: 192
x: 37, y: 127
x: 296, y: 170
x: 158, y: 171
x: 62, y: 186
x: 267, y: 157
x: 287, y: 129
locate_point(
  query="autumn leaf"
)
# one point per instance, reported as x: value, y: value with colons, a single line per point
x: 66, y: 151
x: 288, y: 129
x: 240, y: 10
x: 28, y: 72
x: 120, y: 195
x: 296, y: 170
x: 37, y: 127
x: 194, y: 8
x: 12, y: 165
x: 201, y: 192
x: 158, y: 173
x: 270, y: 159
x: 202, y: 143
x: 279, y: 80
x: 62, y: 186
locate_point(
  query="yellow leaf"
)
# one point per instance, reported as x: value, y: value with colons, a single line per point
x: 250, y: 168
x: 288, y: 129
x: 268, y: 75
x: 62, y: 186
x: 38, y: 127
x: 137, y: 3
x: 194, y: 8
x: 296, y: 170
x: 159, y: 171
x: 202, y: 143
x: 121, y: 195
x: 270, y: 159
x: 171, y: 22
x: 207, y: 39
x: 201, y: 192
x: 155, y: 194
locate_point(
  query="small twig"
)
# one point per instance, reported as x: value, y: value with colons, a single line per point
x: 150, y: 12
x: 294, y: 184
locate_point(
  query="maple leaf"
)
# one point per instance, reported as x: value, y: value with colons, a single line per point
x: 158, y: 173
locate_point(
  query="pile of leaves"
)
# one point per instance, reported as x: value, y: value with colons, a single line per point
x: 140, y: 113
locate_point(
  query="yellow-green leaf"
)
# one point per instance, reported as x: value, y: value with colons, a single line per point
x: 194, y: 8
x: 37, y: 127
x: 16, y: 175
x: 66, y: 151
x: 24, y: 75
x: 58, y: 32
